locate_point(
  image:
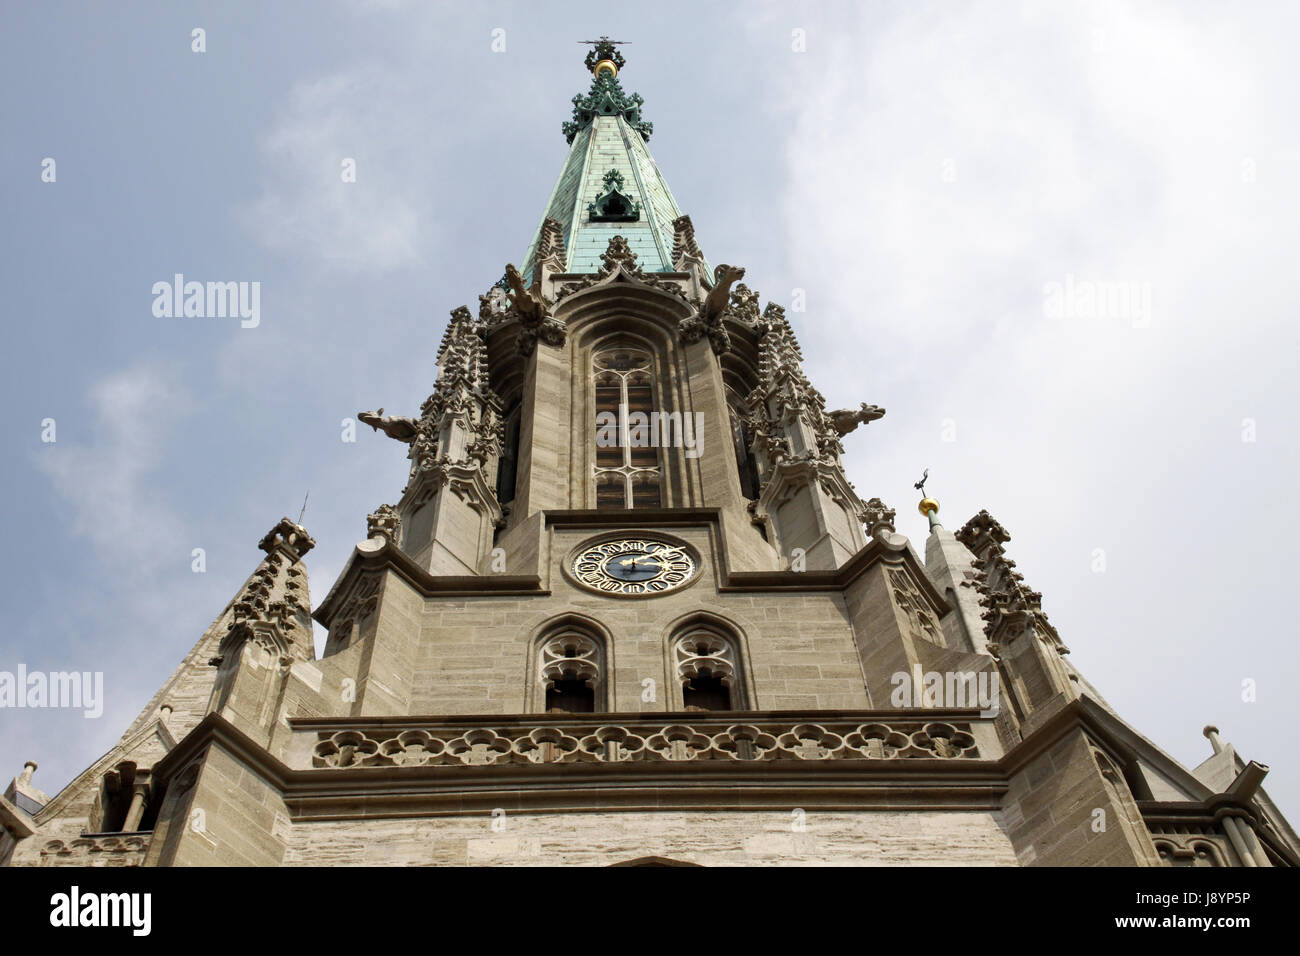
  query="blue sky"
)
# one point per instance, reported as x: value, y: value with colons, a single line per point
x: 923, y: 172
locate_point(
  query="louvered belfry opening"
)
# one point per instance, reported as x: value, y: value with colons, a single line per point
x: 706, y: 665
x: 570, y: 667
x: 570, y: 697
x: 706, y: 692
x: 628, y: 473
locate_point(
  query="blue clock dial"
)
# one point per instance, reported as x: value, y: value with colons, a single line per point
x: 634, y: 566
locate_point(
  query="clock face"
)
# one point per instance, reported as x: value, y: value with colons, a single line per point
x: 635, y: 566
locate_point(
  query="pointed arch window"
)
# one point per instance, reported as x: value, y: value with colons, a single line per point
x: 707, y: 669
x: 627, y: 469
x: 570, y: 672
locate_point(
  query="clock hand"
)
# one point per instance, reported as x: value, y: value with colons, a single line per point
x: 668, y: 553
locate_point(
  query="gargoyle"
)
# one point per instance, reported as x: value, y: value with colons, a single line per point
x: 530, y: 306
x: 535, y: 321
x: 846, y: 420
x: 715, y: 303
x: 394, y: 426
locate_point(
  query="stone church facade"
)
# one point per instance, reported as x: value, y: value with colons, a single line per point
x: 628, y: 609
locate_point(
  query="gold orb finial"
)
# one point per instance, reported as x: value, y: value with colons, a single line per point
x: 606, y: 66
x: 928, y: 506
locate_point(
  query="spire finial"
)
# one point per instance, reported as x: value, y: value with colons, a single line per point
x: 928, y: 506
x: 605, y: 56
x: 606, y: 96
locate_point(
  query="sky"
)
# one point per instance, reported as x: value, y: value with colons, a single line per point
x: 1055, y: 241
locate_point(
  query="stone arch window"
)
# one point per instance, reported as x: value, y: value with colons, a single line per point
x: 570, y: 672
x: 627, y: 471
x: 708, y: 669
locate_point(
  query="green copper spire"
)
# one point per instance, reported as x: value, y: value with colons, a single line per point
x: 610, y: 184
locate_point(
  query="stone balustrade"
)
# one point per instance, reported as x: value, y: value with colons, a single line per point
x: 691, y: 738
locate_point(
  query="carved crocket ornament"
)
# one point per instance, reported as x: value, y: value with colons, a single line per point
x: 394, y: 426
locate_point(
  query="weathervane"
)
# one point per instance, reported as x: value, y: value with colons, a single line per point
x: 605, y: 57
x: 928, y: 506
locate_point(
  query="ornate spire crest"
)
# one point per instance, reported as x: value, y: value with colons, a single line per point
x: 604, y: 51
x: 606, y: 96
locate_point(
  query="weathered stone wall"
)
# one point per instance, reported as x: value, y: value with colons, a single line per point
x: 880, y: 838
x: 1066, y: 807
x: 473, y: 654
x: 228, y: 816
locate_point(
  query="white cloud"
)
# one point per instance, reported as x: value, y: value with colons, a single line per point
x: 375, y: 224
x: 1147, y: 144
x: 104, y: 479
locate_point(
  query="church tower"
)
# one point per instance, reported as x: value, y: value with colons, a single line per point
x: 628, y: 609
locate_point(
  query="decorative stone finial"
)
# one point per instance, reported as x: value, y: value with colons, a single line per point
x: 878, y: 517
x: 29, y: 768
x: 385, y: 523
x: 290, y: 537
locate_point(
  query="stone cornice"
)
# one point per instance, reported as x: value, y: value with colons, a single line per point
x: 378, y: 554
x: 876, y: 551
